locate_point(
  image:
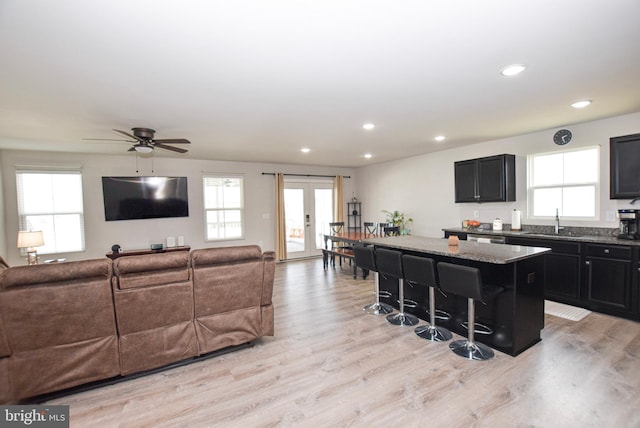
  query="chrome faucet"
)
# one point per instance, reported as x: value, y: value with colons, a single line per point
x: 558, y: 228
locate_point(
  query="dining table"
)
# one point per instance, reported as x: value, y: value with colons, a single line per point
x: 353, y: 238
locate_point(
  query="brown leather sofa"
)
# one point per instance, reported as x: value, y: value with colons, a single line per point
x: 69, y: 324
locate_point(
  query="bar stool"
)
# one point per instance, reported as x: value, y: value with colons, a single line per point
x: 422, y: 270
x: 466, y: 281
x: 389, y: 264
x: 366, y: 259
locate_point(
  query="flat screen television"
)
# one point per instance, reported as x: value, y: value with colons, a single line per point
x: 134, y: 198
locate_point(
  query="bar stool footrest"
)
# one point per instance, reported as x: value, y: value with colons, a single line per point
x: 480, y: 328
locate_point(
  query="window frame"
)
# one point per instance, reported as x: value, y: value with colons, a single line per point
x: 241, y: 208
x: 596, y: 185
x: 50, y: 236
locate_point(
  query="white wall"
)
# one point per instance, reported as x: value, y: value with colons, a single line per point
x: 423, y: 186
x: 139, y: 234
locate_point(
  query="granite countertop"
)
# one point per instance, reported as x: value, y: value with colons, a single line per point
x: 593, y: 235
x: 481, y: 252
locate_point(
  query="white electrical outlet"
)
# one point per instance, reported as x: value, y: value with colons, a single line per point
x: 611, y: 216
x: 476, y: 214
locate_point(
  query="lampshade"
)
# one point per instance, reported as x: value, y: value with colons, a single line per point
x: 30, y: 239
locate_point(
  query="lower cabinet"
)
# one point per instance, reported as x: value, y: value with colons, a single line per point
x: 563, y: 268
x: 602, y: 278
x: 609, y: 278
x: 563, y: 277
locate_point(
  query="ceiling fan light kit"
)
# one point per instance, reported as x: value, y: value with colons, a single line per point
x: 141, y: 148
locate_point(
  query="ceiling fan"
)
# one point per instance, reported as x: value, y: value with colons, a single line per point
x: 143, y: 141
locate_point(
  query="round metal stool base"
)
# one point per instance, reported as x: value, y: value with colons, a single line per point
x: 378, y: 309
x: 471, y: 350
x: 403, y: 318
x: 433, y: 333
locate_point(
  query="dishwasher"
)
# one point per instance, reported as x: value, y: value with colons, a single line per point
x: 486, y: 239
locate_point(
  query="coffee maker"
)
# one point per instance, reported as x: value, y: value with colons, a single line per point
x: 629, y: 224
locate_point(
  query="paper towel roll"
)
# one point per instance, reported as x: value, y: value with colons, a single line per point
x: 515, y: 220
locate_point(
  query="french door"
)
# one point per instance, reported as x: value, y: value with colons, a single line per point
x: 308, y: 208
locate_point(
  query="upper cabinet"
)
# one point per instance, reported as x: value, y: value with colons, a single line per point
x: 489, y: 179
x: 624, y: 169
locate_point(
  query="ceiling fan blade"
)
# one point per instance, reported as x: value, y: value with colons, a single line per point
x: 174, y: 149
x: 108, y: 139
x: 127, y: 134
x: 172, y: 141
x: 132, y: 149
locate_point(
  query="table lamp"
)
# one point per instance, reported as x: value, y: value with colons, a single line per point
x: 30, y: 240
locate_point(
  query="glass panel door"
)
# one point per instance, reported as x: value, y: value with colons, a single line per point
x: 308, y: 210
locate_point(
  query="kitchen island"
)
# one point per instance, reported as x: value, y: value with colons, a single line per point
x: 514, y: 317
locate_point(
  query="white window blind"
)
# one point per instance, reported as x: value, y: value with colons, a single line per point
x: 51, y: 201
x: 567, y: 181
x: 224, y: 207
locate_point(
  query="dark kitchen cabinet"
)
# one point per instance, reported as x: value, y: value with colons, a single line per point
x: 624, y: 168
x: 562, y: 277
x: 488, y: 179
x: 608, y: 278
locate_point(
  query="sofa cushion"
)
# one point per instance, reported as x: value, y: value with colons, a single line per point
x: 146, y: 350
x: 214, y: 256
x: 36, y: 314
x: 151, y: 269
x: 59, y: 367
x: 30, y: 276
x: 152, y: 307
x: 227, y: 279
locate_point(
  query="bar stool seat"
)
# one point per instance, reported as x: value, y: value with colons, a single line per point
x: 389, y: 264
x: 422, y: 271
x: 466, y: 281
x: 365, y: 258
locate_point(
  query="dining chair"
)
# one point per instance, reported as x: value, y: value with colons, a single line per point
x: 337, y: 227
x: 370, y: 228
x: 391, y: 231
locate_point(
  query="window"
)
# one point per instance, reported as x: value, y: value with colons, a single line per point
x: 224, y: 207
x: 51, y: 201
x: 565, y: 181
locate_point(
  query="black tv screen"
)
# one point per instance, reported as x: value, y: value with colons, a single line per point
x: 134, y: 198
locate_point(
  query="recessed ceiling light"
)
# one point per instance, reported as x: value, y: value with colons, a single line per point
x: 368, y: 126
x: 440, y: 138
x: 368, y: 155
x: 581, y: 104
x: 305, y: 150
x: 512, y: 70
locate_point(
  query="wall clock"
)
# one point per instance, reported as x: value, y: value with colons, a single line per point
x: 562, y: 137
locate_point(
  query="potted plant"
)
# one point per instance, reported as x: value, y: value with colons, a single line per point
x: 398, y: 219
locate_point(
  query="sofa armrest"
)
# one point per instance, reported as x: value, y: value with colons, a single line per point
x: 269, y: 258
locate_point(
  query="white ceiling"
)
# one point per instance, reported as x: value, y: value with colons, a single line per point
x: 257, y: 80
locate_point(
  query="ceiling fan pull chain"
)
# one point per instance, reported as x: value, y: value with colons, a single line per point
x: 152, y: 165
x: 137, y: 169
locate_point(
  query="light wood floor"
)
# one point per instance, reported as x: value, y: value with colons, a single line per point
x: 331, y: 365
